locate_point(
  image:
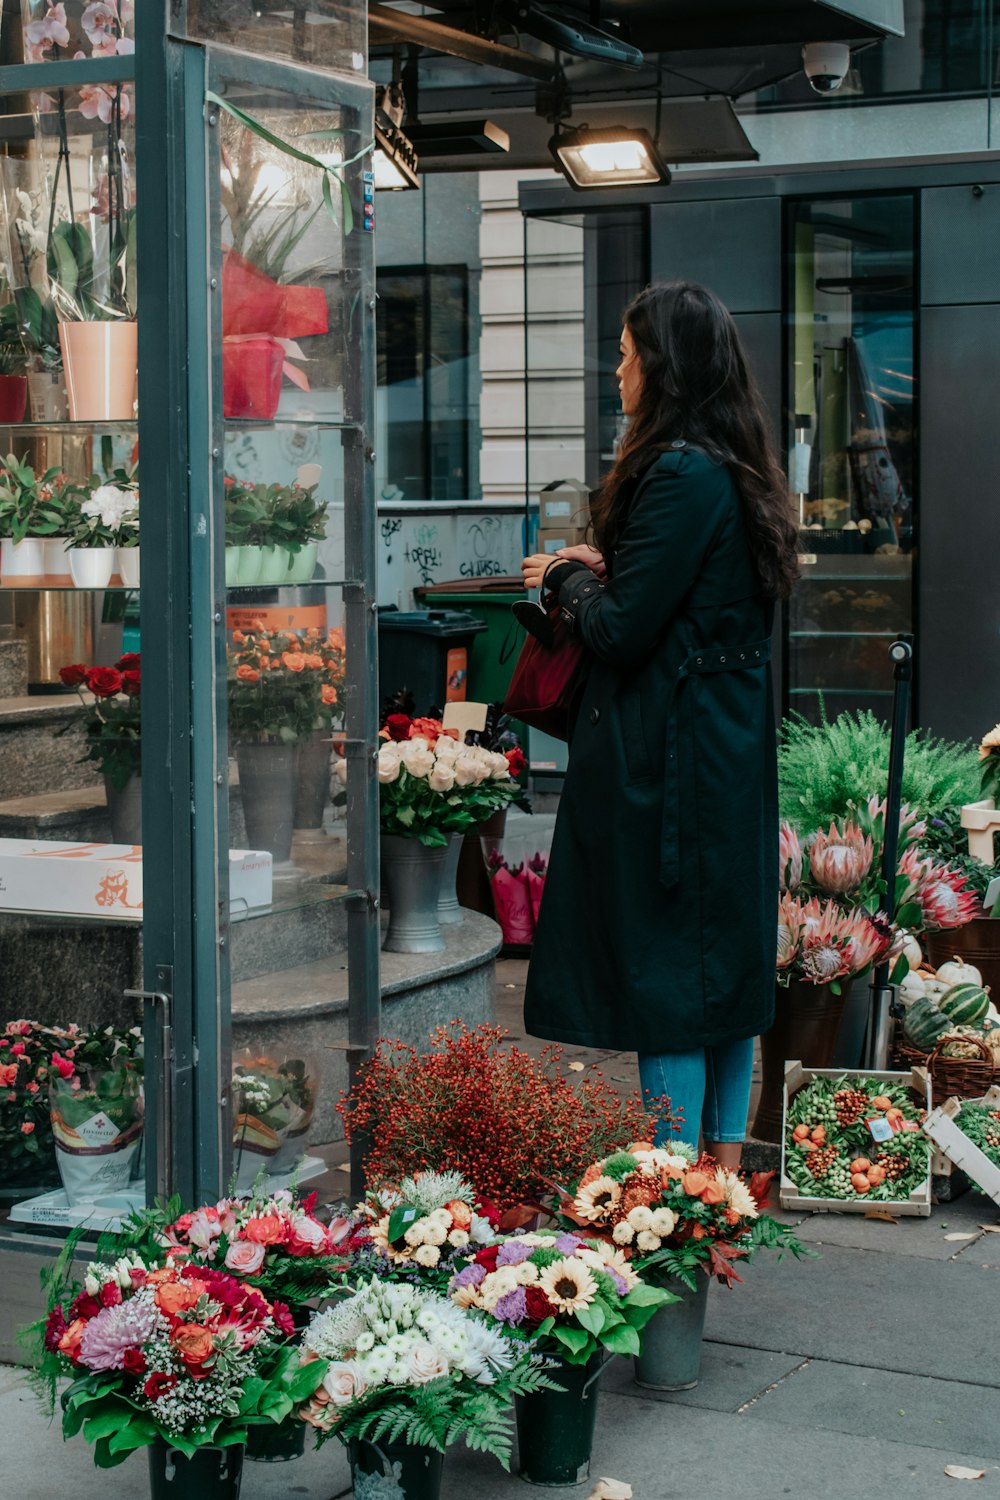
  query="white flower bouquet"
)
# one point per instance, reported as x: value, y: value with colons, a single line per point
x: 405, y: 1364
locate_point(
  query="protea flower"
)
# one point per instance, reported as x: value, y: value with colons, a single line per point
x: 841, y: 943
x: 789, y: 858
x: 938, y: 890
x: 839, y: 861
x: 790, y: 923
x: 911, y: 827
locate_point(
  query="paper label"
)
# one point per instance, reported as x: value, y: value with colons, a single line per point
x: 880, y: 1128
x: 98, y: 1130
x: 458, y: 674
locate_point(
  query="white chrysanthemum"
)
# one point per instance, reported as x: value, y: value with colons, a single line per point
x: 459, y: 1238
x: 526, y: 1273
x: 427, y: 1255
x: 647, y: 1241
x: 623, y: 1233
x: 640, y: 1217
x: 496, y: 1285
x: 416, y: 1234
x: 664, y: 1222
x: 597, y: 1199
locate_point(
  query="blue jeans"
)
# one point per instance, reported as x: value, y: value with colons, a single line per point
x: 711, y: 1085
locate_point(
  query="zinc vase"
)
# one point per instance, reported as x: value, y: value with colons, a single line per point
x: 277, y: 1442
x: 101, y: 361
x: 411, y: 876
x: 268, y: 776
x: 672, y: 1339
x: 449, y: 911
x: 806, y: 1020
x: 555, y: 1429
x: 125, y: 810
x: 209, y: 1474
x: 394, y: 1471
x: 312, y: 788
x: 91, y: 567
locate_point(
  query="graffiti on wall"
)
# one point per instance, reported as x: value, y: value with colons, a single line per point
x: 419, y: 550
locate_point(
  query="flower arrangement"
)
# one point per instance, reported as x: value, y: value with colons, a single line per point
x: 404, y: 1363
x: 283, y: 686
x: 823, y: 943
x: 530, y: 1125
x: 179, y: 1352
x: 113, y: 720
x: 423, y: 1221
x: 572, y: 1295
x: 77, y: 28
x: 273, y: 515
x: 432, y: 785
x: 851, y: 1137
x: 31, y: 1056
x: 671, y: 1213
x: 274, y: 1103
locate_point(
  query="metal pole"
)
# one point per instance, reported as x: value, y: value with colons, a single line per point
x: 880, y: 1008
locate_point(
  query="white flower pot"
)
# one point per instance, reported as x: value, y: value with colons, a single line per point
x: 275, y: 565
x: 249, y: 564
x: 127, y: 566
x: 303, y: 564
x: 23, y: 562
x: 56, y: 558
x: 91, y: 567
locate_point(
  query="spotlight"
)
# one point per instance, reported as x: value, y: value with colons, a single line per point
x: 614, y: 156
x: 395, y: 160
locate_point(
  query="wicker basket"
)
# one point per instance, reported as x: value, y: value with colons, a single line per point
x: 965, y: 1077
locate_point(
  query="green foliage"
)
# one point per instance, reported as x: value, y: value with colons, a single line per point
x: 273, y: 515
x: 827, y: 769
x: 30, y: 503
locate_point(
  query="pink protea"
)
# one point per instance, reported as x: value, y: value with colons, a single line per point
x: 911, y: 827
x: 837, y: 944
x: 945, y: 900
x: 839, y: 861
x: 789, y: 858
x: 793, y: 914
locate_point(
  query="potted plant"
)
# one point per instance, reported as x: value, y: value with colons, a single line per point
x: 246, y: 529
x: 277, y: 697
x: 13, y: 368
x: 24, y: 227
x: 579, y: 1301
x: 273, y: 1106
x: 179, y: 1359
x: 296, y: 525
x: 402, y: 1374
x: 56, y: 29
x: 31, y: 509
x: 111, y: 727
x: 97, y: 1120
x: 679, y: 1220
x: 312, y: 794
x: 98, y: 516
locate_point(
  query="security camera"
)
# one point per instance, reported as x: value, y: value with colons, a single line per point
x: 826, y: 65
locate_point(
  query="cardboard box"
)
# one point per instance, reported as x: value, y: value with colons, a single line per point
x: 942, y: 1127
x: 918, y: 1204
x: 105, y: 880
x: 564, y: 505
x: 566, y: 536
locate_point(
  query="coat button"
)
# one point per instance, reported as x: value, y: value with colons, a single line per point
x: 595, y: 714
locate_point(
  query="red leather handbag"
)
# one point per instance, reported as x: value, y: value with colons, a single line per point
x: 548, y: 673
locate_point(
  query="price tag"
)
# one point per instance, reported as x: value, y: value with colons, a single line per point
x: 880, y: 1128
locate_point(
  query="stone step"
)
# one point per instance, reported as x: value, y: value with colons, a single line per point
x: 33, y: 757
x: 13, y: 664
x: 75, y: 816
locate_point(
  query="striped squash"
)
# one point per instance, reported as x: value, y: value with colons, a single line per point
x: 964, y: 1004
x: 923, y: 1024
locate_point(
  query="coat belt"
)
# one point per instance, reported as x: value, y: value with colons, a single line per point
x: 699, y: 663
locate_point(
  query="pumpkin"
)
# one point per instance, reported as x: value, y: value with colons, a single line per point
x: 923, y: 1024
x: 911, y: 950
x: 964, y: 1004
x: 934, y: 988
x: 911, y: 988
x: 957, y: 971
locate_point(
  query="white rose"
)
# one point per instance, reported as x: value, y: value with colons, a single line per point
x: 388, y: 764
x: 640, y: 1217
x: 647, y: 1240
x: 664, y: 1221
x: 340, y: 771
x: 91, y: 1285
x: 623, y: 1233
x: 469, y: 772
x: 427, y: 1255
x: 446, y: 748
x: 426, y: 1363
x: 481, y: 1231
x: 417, y: 758
x: 344, y: 1383
x: 442, y: 778
x: 499, y: 769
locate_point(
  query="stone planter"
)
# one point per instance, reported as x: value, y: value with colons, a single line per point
x: 411, y: 876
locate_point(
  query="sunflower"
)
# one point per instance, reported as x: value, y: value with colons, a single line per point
x: 568, y: 1284
x: 597, y: 1199
x: 610, y: 1258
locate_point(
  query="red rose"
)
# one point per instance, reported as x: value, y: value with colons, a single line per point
x: 134, y: 1361
x: 129, y: 662
x: 488, y: 1257
x: 158, y: 1385
x: 104, y: 682
x: 398, y: 726
x: 72, y: 676
x: 131, y: 683
x: 537, y: 1306
x: 110, y: 1294
x: 515, y: 761
x: 55, y: 1327
x: 84, y: 1307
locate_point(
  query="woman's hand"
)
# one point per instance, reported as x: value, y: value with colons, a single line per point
x: 589, y: 556
x: 534, y: 568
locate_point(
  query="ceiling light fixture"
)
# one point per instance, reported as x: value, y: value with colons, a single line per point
x: 613, y: 156
x: 395, y: 159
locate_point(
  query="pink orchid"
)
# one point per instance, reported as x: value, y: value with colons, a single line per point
x: 100, y: 21
x: 97, y: 102
x: 50, y: 31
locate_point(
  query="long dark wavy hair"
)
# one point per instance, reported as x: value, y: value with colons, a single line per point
x: 697, y: 385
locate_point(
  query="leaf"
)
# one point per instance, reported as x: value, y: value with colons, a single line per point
x: 956, y: 1471
x: 573, y: 1339
x: 990, y: 1228
x: 882, y: 1215
x: 622, y: 1340
x: 959, y: 1236
x: 575, y: 1067
x: 611, y: 1489
x: 592, y: 1318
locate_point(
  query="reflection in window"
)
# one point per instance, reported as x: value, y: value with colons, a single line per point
x: 851, y: 445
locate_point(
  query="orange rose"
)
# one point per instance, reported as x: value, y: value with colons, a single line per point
x: 69, y: 1344
x: 248, y: 674
x: 294, y: 660
x: 8, y: 1071
x: 194, y: 1343
x: 461, y: 1213
x: 175, y: 1297
x: 238, y: 637
x: 695, y: 1183
x: 294, y: 644
x: 312, y: 634
x: 335, y: 639
x: 314, y: 662
x: 267, y: 1230
x: 328, y: 694
x: 712, y: 1194
x: 263, y: 645
x: 165, y: 1273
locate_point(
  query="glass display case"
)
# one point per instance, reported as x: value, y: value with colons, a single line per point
x: 186, y: 227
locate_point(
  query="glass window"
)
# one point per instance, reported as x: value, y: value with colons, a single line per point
x: 329, y: 34
x: 851, y: 449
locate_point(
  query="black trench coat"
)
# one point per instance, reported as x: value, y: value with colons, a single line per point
x: 657, y: 925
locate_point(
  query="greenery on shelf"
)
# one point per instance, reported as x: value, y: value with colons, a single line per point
x: 30, y: 504
x: 273, y: 515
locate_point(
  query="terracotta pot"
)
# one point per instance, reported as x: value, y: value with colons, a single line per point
x: 978, y: 943
x: 806, y: 1020
x: 101, y: 360
x: 13, y: 398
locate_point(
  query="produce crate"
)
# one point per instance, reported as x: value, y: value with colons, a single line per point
x: 943, y: 1129
x: 790, y: 1196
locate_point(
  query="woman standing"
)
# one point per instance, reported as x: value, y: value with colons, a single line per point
x: 657, y: 928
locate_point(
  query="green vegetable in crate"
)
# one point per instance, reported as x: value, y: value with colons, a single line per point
x: 964, y: 1004
x: 923, y: 1024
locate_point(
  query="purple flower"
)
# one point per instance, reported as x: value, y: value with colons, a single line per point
x: 471, y: 1276
x: 514, y: 1253
x: 116, y: 1329
x: 512, y: 1308
x: 568, y: 1244
x: 621, y: 1286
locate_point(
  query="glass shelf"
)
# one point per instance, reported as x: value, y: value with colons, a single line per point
x: 294, y: 896
x: 860, y: 635
x: 123, y: 424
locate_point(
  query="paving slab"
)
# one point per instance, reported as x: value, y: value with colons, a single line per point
x: 908, y: 1236
x: 912, y: 1409
x: 862, y: 1306
x: 730, y: 1377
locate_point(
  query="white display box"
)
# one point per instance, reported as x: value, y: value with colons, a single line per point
x: 944, y: 1131
x: 791, y: 1196
x: 105, y: 880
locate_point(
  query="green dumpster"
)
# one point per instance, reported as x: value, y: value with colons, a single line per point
x: 494, y: 651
